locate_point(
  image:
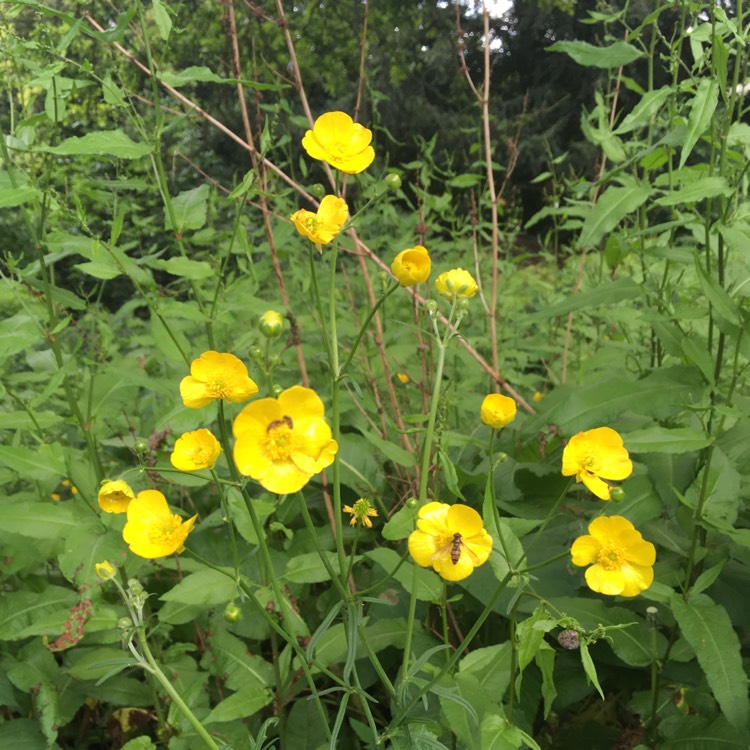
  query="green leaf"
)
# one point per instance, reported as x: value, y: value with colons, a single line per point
x: 701, y: 111
x: 227, y: 657
x: 195, y: 270
x: 202, y: 74
x: 498, y: 734
x: 139, y: 743
x: 204, y: 588
x: 10, y: 197
x: 414, y: 737
x: 18, y: 333
x: 723, y: 305
x: 545, y: 660
x: 162, y: 18
x: 400, y: 524
x: 590, y: 669
x: 697, y: 352
x: 708, y: 187
x: 27, y: 613
x: 707, y: 628
x: 647, y: 107
x: 490, y: 665
x: 613, y: 56
x: 309, y: 568
x: 607, y: 293
x: 22, y: 734
x: 190, y: 208
x: 101, y: 143
x: 241, y: 705
x: 428, y: 583
x: 465, y: 180
x: 665, y: 440
x: 38, y: 520
x: 614, y: 204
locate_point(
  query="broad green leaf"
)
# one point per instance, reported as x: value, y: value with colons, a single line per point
x: 590, y: 669
x: 86, y: 545
x: 102, y: 143
x: 162, y: 18
x: 613, y: 56
x: 545, y: 660
x: 241, y: 705
x: 38, y: 520
x: 390, y: 450
x: 204, y: 588
x: 459, y: 715
x: 202, y: 74
x: 701, y: 111
x: 10, y: 197
x: 664, y: 440
x: 498, y: 734
x: 722, y: 303
x: 139, y: 743
x: 465, y: 180
x: 27, y: 613
x: 490, y: 665
x: 707, y: 628
x: 22, y: 734
x: 414, y: 737
x: 613, y: 205
x: 696, y: 351
x: 86, y: 663
x: 428, y: 583
x: 400, y: 524
x: 18, y: 333
x: 695, y: 732
x: 708, y: 187
x: 309, y: 568
x: 190, y: 208
x: 606, y: 294
x: 195, y: 270
x: 227, y: 657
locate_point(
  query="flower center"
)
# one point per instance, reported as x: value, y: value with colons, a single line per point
x: 611, y: 557
x: 164, y: 532
x: 218, y: 388
x: 279, y: 439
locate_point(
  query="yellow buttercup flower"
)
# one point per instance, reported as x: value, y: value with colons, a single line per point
x: 216, y: 375
x: 411, y: 266
x: 594, y: 456
x: 321, y: 227
x: 341, y: 142
x: 115, y: 496
x: 451, y: 539
x: 497, y: 410
x: 105, y: 570
x: 283, y: 442
x: 56, y: 497
x: 196, y: 450
x: 402, y: 377
x: 362, y: 512
x: 621, y: 561
x: 455, y: 284
x: 152, y: 530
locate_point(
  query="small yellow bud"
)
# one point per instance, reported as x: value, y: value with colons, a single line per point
x: 105, y: 570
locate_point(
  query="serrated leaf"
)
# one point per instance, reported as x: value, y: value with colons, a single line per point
x: 101, y: 143
x: 613, y: 56
x: 701, y: 111
x: 664, y: 440
x: 614, y: 204
x: 707, y: 628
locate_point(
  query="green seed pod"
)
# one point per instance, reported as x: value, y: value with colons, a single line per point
x: 232, y: 613
x: 617, y: 494
x: 412, y: 503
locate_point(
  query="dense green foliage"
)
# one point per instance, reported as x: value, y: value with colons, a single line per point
x: 145, y: 204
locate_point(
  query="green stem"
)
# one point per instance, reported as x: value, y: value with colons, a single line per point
x: 173, y: 694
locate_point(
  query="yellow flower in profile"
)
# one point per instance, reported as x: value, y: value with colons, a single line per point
x: 115, y: 496
x: 451, y: 539
x: 56, y: 497
x: 196, y: 450
x: 341, y: 142
x: 323, y: 226
x: 283, y: 442
x: 411, y: 266
x: 621, y: 560
x: 456, y: 283
x: 216, y: 375
x: 152, y: 530
x: 403, y: 378
x: 497, y: 410
x: 594, y: 456
x: 362, y: 512
x: 105, y: 570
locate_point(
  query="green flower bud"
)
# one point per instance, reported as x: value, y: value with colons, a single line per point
x: 462, y: 303
x: 271, y: 324
x: 617, y: 494
x: 140, y: 447
x: 232, y: 613
x: 392, y: 181
x: 412, y: 503
x: 276, y: 390
x: 256, y: 353
x: 317, y: 190
x: 124, y: 624
x: 431, y: 306
x: 274, y: 360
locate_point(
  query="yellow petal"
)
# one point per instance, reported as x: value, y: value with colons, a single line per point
x: 609, y: 582
x: 299, y: 402
x: 422, y: 548
x: 585, y: 550
x: 194, y: 393
x: 463, y: 520
x: 595, y: 485
x: 480, y: 547
x: 432, y: 519
x: 450, y: 572
x: 256, y: 417
x: 636, y: 578
x: 609, y: 528
x: 250, y: 459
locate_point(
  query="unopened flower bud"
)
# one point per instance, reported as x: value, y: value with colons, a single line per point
x: 317, y: 190
x: 105, y: 570
x: 617, y: 494
x: 134, y: 587
x: 140, y: 447
x: 462, y: 303
x: 276, y: 390
x: 271, y: 324
x: 412, y: 503
x: 392, y: 181
x: 124, y: 624
x: 274, y: 360
x: 232, y: 613
x: 431, y: 306
x: 256, y: 352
